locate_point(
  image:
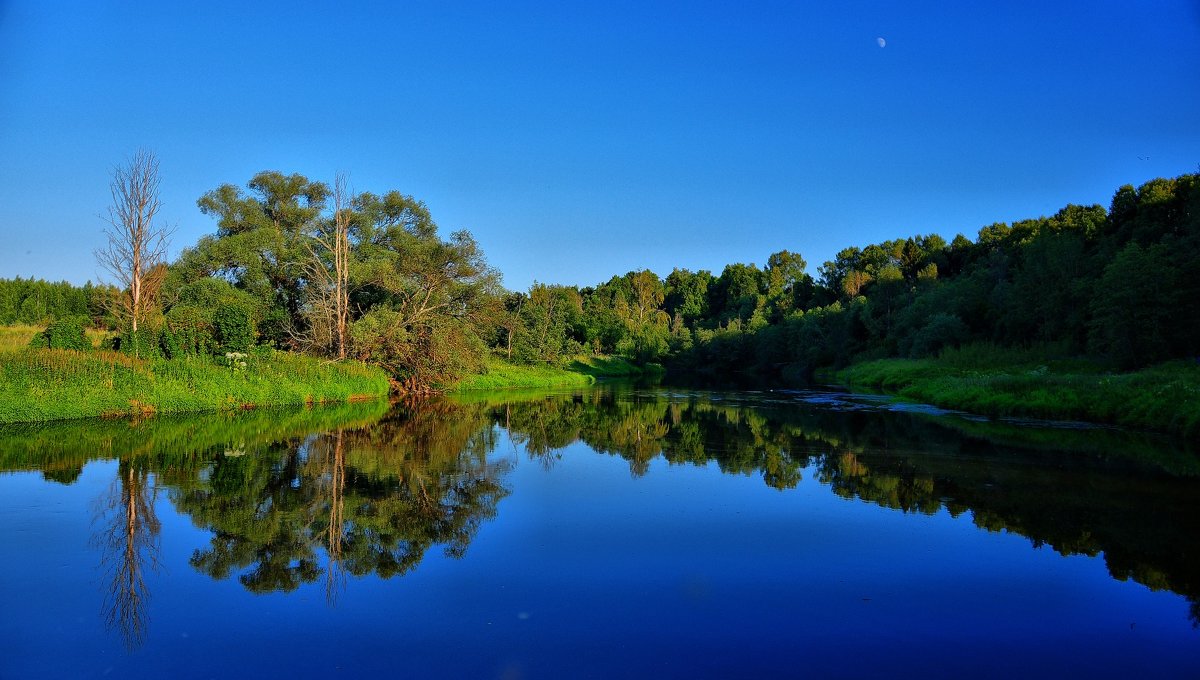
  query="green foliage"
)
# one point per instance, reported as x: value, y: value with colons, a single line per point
x: 144, y: 343
x: 999, y: 382
x: 192, y: 319
x: 233, y: 329
x: 33, y: 301
x: 43, y: 384
x: 1132, y: 310
x: 500, y: 374
x: 66, y: 333
x: 1121, y: 285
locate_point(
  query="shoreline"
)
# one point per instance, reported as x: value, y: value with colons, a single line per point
x: 1164, y: 398
x: 44, y: 385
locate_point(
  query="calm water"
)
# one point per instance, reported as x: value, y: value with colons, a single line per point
x: 610, y: 532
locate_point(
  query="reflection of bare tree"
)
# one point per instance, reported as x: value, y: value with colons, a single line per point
x: 336, y: 573
x: 128, y: 535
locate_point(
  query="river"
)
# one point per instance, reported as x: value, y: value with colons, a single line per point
x: 612, y: 531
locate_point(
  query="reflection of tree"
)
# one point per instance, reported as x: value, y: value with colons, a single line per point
x: 1133, y: 501
x: 373, y: 500
x: 128, y: 537
x: 696, y: 431
x: 335, y: 481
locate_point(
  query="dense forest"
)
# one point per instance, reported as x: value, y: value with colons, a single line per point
x: 1121, y: 286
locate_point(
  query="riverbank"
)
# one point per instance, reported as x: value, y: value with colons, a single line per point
x: 39, y: 385
x: 583, y: 370
x: 1162, y: 398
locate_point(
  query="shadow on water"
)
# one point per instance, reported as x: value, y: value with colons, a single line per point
x: 294, y: 497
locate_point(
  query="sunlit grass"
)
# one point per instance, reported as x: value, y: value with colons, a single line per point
x: 44, y: 384
x: 1165, y: 398
x: 611, y: 367
x: 499, y: 374
x: 17, y: 337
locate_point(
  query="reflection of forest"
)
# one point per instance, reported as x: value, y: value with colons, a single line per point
x: 373, y: 500
x: 364, y: 494
x: 1134, y: 499
x: 371, y: 492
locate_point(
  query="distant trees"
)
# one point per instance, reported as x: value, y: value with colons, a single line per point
x: 33, y: 301
x: 297, y: 264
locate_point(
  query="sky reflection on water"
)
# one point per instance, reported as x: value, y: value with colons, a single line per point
x: 603, y: 532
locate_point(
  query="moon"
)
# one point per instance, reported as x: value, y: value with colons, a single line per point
x: 881, y: 41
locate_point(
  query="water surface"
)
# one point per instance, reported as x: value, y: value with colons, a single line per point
x: 606, y: 532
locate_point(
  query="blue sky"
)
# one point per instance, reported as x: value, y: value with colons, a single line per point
x: 581, y: 140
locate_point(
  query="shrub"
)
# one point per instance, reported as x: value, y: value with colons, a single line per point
x: 66, y: 333
x: 142, y: 343
x: 233, y: 328
x: 168, y: 343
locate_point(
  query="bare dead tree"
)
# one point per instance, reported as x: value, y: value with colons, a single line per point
x: 135, y: 247
x: 328, y: 272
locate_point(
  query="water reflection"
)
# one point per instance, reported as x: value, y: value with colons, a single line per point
x: 290, y: 498
x: 1133, y: 498
x: 127, y: 533
x: 357, y: 501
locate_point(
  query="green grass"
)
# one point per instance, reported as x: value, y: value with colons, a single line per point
x: 69, y: 444
x: 1164, y: 398
x: 13, y: 338
x: 499, y: 374
x: 581, y: 370
x: 612, y: 367
x: 41, y: 384
x: 18, y: 336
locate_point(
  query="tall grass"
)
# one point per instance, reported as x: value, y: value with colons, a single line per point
x: 16, y: 337
x: 71, y: 443
x: 612, y: 367
x: 499, y: 375
x: 19, y: 336
x: 44, y: 384
x: 1164, y: 398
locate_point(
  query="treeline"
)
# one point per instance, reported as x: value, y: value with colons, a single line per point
x: 1121, y: 285
x: 36, y: 302
x: 302, y: 265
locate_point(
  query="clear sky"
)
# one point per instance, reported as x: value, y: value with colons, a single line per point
x: 581, y: 140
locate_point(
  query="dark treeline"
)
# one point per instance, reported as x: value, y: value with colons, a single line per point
x: 1121, y: 285
x: 298, y: 264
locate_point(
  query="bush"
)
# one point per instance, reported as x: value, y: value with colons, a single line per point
x: 193, y: 323
x: 942, y: 330
x: 233, y: 328
x: 66, y: 333
x: 142, y: 343
x: 168, y: 343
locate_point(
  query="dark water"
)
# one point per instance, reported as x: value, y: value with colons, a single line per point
x: 609, y: 532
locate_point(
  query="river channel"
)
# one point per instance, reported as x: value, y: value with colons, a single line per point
x: 613, y: 531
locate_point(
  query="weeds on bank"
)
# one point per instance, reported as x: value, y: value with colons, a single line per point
x: 44, y: 384
x: 1038, y: 384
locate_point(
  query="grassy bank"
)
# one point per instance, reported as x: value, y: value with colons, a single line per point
x: 1164, y: 398
x: 41, y: 385
x: 584, y: 370
x: 17, y: 337
x: 499, y: 375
